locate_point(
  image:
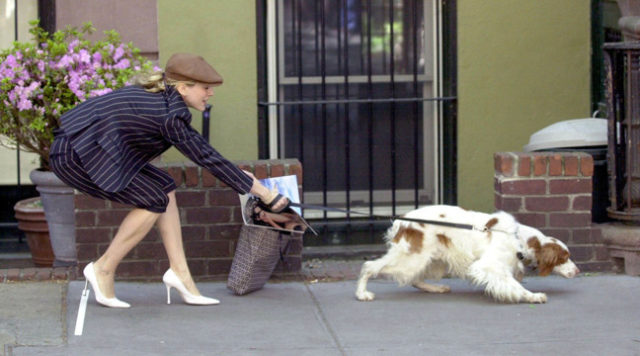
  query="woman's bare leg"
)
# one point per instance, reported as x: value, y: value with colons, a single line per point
x: 132, y: 230
x: 171, y: 233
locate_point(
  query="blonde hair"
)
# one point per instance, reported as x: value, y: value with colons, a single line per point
x: 155, y: 82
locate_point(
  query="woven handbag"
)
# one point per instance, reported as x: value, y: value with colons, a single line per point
x: 257, y: 254
x: 255, y: 259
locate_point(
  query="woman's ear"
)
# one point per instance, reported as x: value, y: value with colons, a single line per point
x: 181, y: 88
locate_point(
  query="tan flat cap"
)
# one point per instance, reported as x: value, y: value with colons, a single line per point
x: 190, y: 67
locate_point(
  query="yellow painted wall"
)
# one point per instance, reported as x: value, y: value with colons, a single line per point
x: 522, y: 65
x: 224, y: 33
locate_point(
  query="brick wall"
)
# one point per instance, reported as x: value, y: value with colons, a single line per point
x: 210, y: 217
x: 552, y: 191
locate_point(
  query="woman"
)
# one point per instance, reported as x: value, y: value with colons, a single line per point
x: 104, y: 146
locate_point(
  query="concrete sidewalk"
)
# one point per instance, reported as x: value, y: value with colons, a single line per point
x: 588, y: 315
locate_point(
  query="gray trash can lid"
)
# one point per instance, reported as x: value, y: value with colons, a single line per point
x: 570, y: 133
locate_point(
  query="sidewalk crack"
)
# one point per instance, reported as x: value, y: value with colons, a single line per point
x: 324, y: 320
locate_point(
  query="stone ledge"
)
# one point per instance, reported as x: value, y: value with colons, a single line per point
x: 38, y: 274
x: 623, y: 243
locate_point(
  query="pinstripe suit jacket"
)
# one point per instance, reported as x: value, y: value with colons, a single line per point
x: 116, y: 134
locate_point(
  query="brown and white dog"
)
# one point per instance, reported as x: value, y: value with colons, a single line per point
x: 493, y: 254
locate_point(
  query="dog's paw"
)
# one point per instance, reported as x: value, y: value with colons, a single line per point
x: 537, y: 298
x: 365, y: 296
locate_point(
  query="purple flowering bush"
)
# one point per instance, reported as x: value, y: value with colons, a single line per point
x: 41, y: 80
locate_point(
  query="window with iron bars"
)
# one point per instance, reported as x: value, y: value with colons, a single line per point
x: 359, y: 92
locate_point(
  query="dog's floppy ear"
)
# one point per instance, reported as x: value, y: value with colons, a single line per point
x: 491, y: 223
x: 549, y: 256
x: 534, y: 243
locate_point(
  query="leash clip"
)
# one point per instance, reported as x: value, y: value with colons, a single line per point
x: 483, y: 229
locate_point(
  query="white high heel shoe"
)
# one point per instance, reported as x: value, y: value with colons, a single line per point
x: 90, y: 276
x: 171, y: 280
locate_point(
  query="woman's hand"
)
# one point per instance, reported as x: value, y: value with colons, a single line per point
x: 275, y: 201
x: 271, y: 199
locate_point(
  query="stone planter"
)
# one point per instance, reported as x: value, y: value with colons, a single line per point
x: 623, y: 243
x: 32, y: 222
x: 59, y: 208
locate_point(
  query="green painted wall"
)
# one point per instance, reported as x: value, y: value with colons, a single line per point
x: 224, y: 33
x: 522, y: 65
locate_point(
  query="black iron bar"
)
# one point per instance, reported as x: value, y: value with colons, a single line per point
x: 316, y: 52
x: 277, y: 76
x: 262, y: 80
x: 317, y: 57
x: 370, y: 107
x: 323, y: 75
x: 300, y: 74
x: 316, y: 34
x: 361, y: 38
x: 291, y: 51
x: 293, y: 37
x: 414, y: 42
x: 392, y: 69
x: 339, y: 35
x: 292, y: 55
x: 347, y: 157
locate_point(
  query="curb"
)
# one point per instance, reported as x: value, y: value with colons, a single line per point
x: 38, y: 274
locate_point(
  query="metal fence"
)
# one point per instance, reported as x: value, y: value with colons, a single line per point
x: 348, y: 88
x: 623, y: 104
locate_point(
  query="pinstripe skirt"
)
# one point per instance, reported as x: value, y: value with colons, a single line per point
x: 148, y: 189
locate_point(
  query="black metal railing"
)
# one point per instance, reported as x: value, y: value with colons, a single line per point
x: 355, y: 104
x: 623, y: 115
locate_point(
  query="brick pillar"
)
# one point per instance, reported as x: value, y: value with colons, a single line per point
x: 210, y: 218
x: 551, y: 191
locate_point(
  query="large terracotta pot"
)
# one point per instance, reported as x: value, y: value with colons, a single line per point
x: 32, y: 222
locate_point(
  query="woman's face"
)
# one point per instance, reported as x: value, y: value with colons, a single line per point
x: 195, y: 96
